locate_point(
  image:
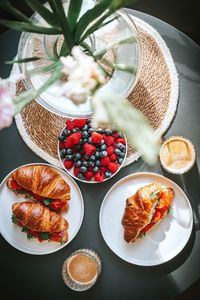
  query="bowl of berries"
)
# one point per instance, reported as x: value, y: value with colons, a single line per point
x: 88, y: 154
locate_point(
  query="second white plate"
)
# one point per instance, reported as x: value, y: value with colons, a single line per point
x: 160, y: 244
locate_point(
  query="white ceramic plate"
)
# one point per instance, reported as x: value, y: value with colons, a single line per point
x: 12, y: 233
x: 160, y: 244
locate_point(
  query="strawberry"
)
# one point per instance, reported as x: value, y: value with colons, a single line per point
x: 105, y: 161
x: 109, y: 140
x: 79, y: 122
x: 113, y: 157
x: 73, y: 139
x: 89, y: 149
x: 70, y: 124
x: 113, y: 167
x: 68, y: 164
x: 96, y: 137
x: 110, y: 150
x: 121, y: 140
x: 89, y: 175
x: 99, y: 176
x: 76, y: 171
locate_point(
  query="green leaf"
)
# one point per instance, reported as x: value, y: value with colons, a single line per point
x: 7, y: 6
x: 14, y: 219
x: 24, y: 60
x: 44, y: 235
x: 73, y: 12
x: 25, y: 229
x: 30, y: 27
x: 42, y: 11
x: 47, y: 201
x: 52, y: 67
x: 29, y: 235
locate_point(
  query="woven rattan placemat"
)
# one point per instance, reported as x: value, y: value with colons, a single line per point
x: 156, y: 95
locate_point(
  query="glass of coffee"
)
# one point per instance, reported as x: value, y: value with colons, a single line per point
x: 81, y: 269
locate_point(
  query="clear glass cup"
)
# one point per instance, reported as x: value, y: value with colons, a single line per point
x: 81, y: 269
x: 121, y: 82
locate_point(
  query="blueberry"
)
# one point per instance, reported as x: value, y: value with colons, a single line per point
x: 69, y: 151
x: 120, y: 160
x: 102, y: 142
x: 85, y: 134
x: 117, y: 151
x: 85, y: 141
x: 122, y: 155
x: 74, y: 130
x: 85, y: 163
x: 92, y: 158
x: 83, y: 169
x: 88, y: 121
x: 98, y: 163
x: 78, y: 148
x: 90, y: 130
x: 120, y: 146
x: 108, y: 131
x: 81, y: 142
x: 63, y: 153
x: 69, y: 157
x: 95, y: 169
x: 89, y: 140
x: 86, y: 157
x: 97, y: 154
x: 61, y: 138
x: 99, y: 130
x: 84, y: 128
x: 103, y: 153
x: 102, y: 147
x: 65, y: 132
x: 108, y: 174
x: 77, y: 156
x: 81, y: 176
x: 78, y: 163
x: 91, y: 164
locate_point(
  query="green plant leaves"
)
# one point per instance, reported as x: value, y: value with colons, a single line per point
x: 24, y: 60
x: 7, y: 6
x: 73, y: 12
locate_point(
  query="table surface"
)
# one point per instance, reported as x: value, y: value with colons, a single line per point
x: 39, y: 277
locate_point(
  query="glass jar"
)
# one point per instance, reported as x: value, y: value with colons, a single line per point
x: 126, y: 53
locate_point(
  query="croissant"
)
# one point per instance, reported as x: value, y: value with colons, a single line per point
x: 145, y: 209
x: 42, y: 182
x: 40, y: 219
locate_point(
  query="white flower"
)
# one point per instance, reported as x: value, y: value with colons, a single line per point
x: 101, y: 118
x: 84, y: 76
x: 6, y: 105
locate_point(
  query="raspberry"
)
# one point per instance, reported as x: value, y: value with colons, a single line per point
x: 73, y: 139
x: 69, y: 124
x: 96, y: 137
x: 121, y: 140
x: 110, y: 150
x: 113, y: 157
x: 115, y: 135
x: 89, y: 175
x: 113, y: 167
x: 68, y: 164
x: 89, y: 149
x: 76, y: 171
x: 99, y: 176
x: 109, y: 140
x: 61, y: 145
x: 103, y: 169
x: 79, y: 122
x: 105, y: 161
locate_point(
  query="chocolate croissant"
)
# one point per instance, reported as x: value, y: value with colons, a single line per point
x: 41, y: 182
x: 145, y: 209
x: 40, y: 219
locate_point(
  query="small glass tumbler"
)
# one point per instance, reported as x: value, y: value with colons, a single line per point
x: 81, y: 269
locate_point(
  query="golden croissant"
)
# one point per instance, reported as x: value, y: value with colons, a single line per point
x: 39, y: 221
x: 145, y: 209
x: 41, y: 183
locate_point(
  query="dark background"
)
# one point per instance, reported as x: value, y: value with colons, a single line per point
x: 181, y: 14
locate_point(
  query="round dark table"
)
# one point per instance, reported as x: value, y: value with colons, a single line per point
x: 27, y: 276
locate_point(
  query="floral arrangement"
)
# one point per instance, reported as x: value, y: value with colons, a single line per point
x: 82, y: 67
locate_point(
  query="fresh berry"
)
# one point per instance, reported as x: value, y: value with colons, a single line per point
x: 81, y: 176
x: 91, y: 164
x: 96, y: 137
x: 109, y: 140
x: 97, y: 154
x: 122, y: 155
x: 121, y: 140
x: 97, y: 163
x: 84, y: 128
x: 117, y: 151
x: 95, y: 169
x: 103, y: 169
x: 85, y: 134
x: 105, y: 161
x: 108, y: 131
x: 85, y: 163
x: 70, y: 124
x: 89, y: 140
x: 89, y: 175
x: 69, y: 157
x: 120, y: 146
x: 61, y: 138
x: 99, y: 130
x: 113, y: 167
x: 86, y: 157
x: 110, y: 150
x: 69, y: 151
x: 63, y: 153
x: 120, y: 160
x: 99, y: 176
x: 102, y: 147
x: 83, y: 169
x: 61, y: 145
x: 115, y: 135
x: 92, y: 158
x: 108, y: 174
x: 74, y: 130
x: 76, y: 171
x: 77, y: 156
x: 113, y: 157
x: 79, y: 122
x: 73, y: 139
x: 103, y: 153
x: 78, y: 163
x: 90, y: 130
x: 68, y: 164
x: 89, y: 149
